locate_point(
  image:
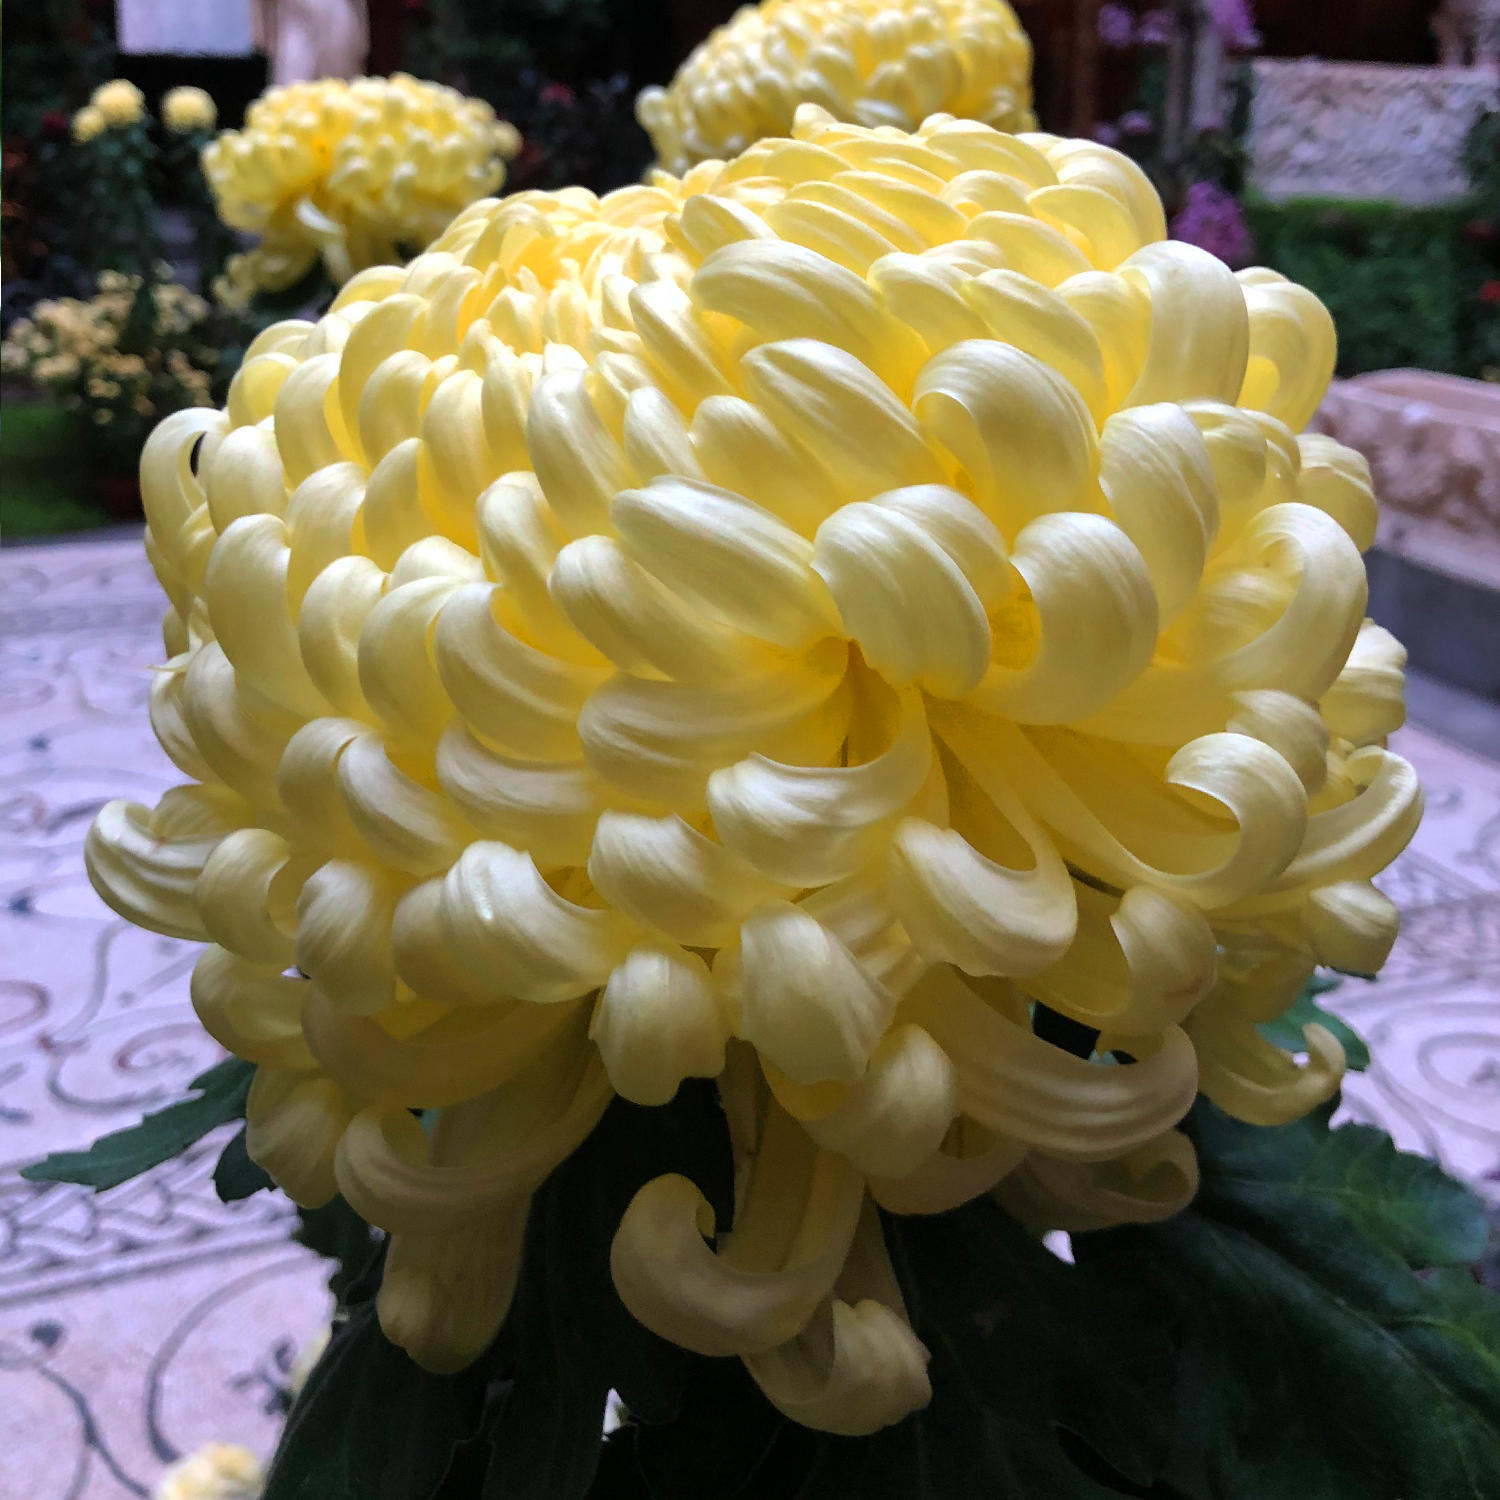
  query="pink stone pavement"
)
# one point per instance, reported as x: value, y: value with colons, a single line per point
x: 137, y: 1324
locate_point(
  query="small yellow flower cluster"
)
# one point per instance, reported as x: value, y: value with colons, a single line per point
x: 186, y: 109
x: 216, y: 1471
x: 72, y: 349
x: 113, y: 105
x: 870, y: 62
x: 351, y: 172
x: 788, y: 625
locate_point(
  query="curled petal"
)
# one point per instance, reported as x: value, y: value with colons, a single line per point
x: 146, y: 863
x: 1022, y: 1087
x: 485, y: 1156
x: 894, y: 1118
x: 1367, y: 699
x: 1200, y: 330
x: 247, y: 896
x: 464, y: 1052
x: 1021, y: 432
x: 444, y: 1296
x: 789, y: 1244
x: 667, y: 875
x: 809, y: 825
x: 493, y: 925
x: 806, y: 1004
x: 344, y: 934
x: 853, y: 1371
x: 253, y: 1010
x: 657, y: 1022
x: 1144, y: 1186
x: 1096, y: 623
x: 1252, y: 1079
x: 970, y: 1162
x: 294, y: 1122
x: 1351, y: 926
x: 1336, y: 479
x: 1139, y: 962
x: 903, y: 599
x: 1292, y: 348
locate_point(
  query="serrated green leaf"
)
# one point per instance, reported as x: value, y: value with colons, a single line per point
x: 1286, y: 1030
x: 372, y: 1425
x: 124, y: 1154
x: 1315, y: 1362
x: 236, y: 1176
x: 1403, y: 1202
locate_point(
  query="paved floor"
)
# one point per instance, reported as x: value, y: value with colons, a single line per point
x: 138, y: 1324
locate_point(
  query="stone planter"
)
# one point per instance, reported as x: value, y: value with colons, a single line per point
x: 1433, y: 443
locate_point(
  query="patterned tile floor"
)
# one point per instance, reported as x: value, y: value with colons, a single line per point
x: 138, y: 1324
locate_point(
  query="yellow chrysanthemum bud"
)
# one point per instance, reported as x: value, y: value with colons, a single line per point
x: 868, y: 62
x: 355, y: 172
x: 119, y: 101
x: 89, y: 122
x: 187, y: 109
x: 216, y: 1471
x: 788, y: 625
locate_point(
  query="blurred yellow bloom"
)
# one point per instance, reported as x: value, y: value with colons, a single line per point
x: 88, y: 122
x: 187, y: 109
x: 870, y: 62
x: 778, y: 625
x: 119, y: 101
x: 216, y: 1471
x: 355, y: 172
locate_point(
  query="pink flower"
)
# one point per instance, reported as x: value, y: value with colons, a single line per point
x: 1116, y: 26
x: 1136, y: 122
x: 1210, y: 218
x: 1158, y: 27
x: 1234, y: 21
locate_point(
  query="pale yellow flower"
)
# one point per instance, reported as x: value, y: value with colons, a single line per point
x: 350, y: 171
x: 778, y: 625
x: 88, y: 122
x: 119, y: 101
x: 216, y: 1471
x: 870, y: 62
x: 187, y: 109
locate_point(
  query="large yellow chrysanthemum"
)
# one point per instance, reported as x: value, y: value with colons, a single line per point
x: 352, y: 172
x: 774, y: 626
x: 868, y: 62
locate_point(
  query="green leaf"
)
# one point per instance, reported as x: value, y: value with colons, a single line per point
x: 1047, y: 1379
x: 372, y: 1425
x: 236, y: 1176
x: 1314, y: 1361
x: 337, y: 1233
x: 1286, y: 1030
x: 569, y: 1337
x: 116, y: 1158
x: 1403, y: 1202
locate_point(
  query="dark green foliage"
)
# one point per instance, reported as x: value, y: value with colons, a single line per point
x: 1286, y: 1030
x: 236, y: 1176
x: 118, y: 1157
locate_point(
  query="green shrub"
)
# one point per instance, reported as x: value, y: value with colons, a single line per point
x: 1403, y: 284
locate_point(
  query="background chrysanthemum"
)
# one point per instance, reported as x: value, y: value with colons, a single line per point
x: 350, y: 172
x: 870, y: 62
x: 804, y: 624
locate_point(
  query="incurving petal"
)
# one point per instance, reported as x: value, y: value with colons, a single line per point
x: 811, y: 624
x: 1022, y: 1087
x: 789, y: 1243
x: 806, y: 1003
x: 1022, y: 433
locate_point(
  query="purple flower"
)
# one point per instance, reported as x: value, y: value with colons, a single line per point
x: 1158, y: 27
x: 1210, y: 218
x: 1136, y: 122
x: 1234, y: 21
x: 1106, y: 134
x: 1116, y: 26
